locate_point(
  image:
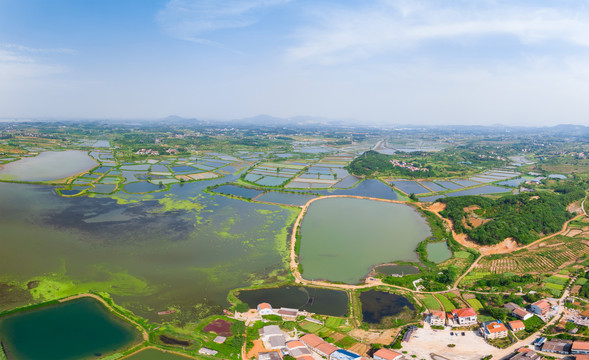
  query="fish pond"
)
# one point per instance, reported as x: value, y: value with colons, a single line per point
x: 438, y: 252
x: 48, y: 166
x: 379, y: 305
x: 77, y: 329
x: 343, y: 238
x: 397, y: 270
x: 317, y: 300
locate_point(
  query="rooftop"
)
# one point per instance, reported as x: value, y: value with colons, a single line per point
x: 580, y: 345
x: 386, y: 354
x: 464, y: 312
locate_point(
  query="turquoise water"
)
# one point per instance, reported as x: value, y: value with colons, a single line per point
x: 343, y: 238
x: 78, y: 329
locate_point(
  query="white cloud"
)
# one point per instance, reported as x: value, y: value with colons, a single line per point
x: 346, y: 34
x: 191, y: 19
x: 17, y: 63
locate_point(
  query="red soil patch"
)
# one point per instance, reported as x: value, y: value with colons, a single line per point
x: 219, y: 327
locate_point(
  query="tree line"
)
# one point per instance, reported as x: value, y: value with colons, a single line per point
x: 523, y: 217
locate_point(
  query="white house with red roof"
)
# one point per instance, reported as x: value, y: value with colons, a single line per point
x: 386, y: 354
x: 265, y: 309
x: 494, y: 330
x: 540, y: 307
x: 437, y: 318
x: 464, y: 317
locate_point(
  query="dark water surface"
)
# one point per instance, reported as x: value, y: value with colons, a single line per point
x: 320, y: 301
x: 77, y: 329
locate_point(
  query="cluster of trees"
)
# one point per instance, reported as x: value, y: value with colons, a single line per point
x: 522, y: 216
x: 372, y: 162
x: 584, y: 292
x: 502, y: 281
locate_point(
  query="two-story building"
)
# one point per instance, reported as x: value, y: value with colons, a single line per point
x: 464, y: 317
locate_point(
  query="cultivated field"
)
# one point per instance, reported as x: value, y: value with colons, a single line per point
x: 544, y: 257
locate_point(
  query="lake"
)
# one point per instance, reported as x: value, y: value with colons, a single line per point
x: 48, y: 166
x: 343, y: 238
x: 317, y: 300
x: 181, y: 248
x: 77, y: 329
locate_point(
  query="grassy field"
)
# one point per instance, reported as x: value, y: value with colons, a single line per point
x: 310, y: 327
x: 475, y: 304
x: 346, y: 342
x: 333, y: 322
x: 447, y: 303
x: 554, y: 289
x: 431, y: 303
x: 558, y: 280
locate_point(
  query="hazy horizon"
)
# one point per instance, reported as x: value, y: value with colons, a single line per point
x: 381, y: 62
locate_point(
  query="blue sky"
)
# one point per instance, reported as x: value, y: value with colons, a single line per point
x: 377, y: 61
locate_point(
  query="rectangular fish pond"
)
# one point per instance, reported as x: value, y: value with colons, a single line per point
x: 317, y: 300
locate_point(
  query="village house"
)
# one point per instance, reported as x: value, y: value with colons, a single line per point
x: 272, y: 337
x: 318, y: 345
x: 580, y: 347
x: 437, y: 318
x: 522, y: 314
x: 526, y: 354
x: 386, y: 354
x: 344, y: 355
x: 265, y: 309
x: 494, y: 329
x: 540, y: 307
x: 297, y: 349
x: 207, y: 351
x: 269, y: 355
x: 582, y: 357
x: 557, y: 346
x: 463, y: 317
x: 288, y: 314
x: 516, y: 325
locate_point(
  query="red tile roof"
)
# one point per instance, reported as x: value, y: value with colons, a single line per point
x: 517, y: 324
x: 464, y: 312
x: 439, y: 314
x: 386, y: 354
x: 542, y: 304
x: 520, y: 312
x: 580, y: 345
x: 305, y: 357
x: 327, y: 348
x: 312, y: 340
x: 264, y: 306
x: 496, y: 327
x: 293, y: 344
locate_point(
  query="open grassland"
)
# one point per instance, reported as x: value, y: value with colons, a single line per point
x: 545, y: 257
